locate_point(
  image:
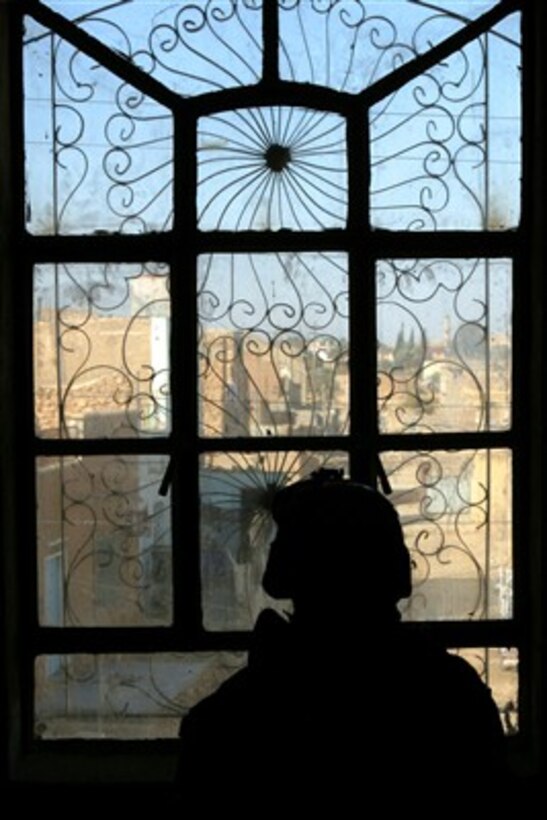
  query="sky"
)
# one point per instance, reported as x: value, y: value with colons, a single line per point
x: 115, y: 148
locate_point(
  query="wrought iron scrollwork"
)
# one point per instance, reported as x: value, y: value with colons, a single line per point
x: 436, y: 143
x: 114, y: 538
x: 207, y: 47
x: 349, y: 46
x: 444, y: 357
x: 274, y: 328
x: 273, y: 349
x: 191, y: 47
x: 125, y: 696
x: 102, y: 149
x: 102, y: 360
x: 431, y: 166
x: 338, y: 44
x: 457, y: 527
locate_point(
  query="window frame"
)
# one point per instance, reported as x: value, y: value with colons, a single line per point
x: 523, y: 246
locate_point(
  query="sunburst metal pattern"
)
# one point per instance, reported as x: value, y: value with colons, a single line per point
x: 271, y: 168
x: 126, y: 697
x: 237, y: 491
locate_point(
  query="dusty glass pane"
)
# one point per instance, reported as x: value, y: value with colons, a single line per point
x: 445, y: 148
x: 504, y: 157
x: 104, y: 541
x: 273, y: 344
x: 123, y: 697
x: 456, y: 512
x: 101, y: 350
x: 191, y: 46
x: 126, y: 697
x: 236, y: 528
x: 499, y: 669
x: 350, y: 44
x: 271, y: 168
x: 99, y: 153
x: 444, y: 345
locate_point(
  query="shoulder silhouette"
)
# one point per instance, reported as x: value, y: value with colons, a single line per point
x: 340, y: 694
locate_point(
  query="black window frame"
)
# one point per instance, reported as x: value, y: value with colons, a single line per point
x: 182, y: 245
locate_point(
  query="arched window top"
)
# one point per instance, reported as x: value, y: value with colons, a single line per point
x: 275, y: 127
x: 193, y: 48
x: 189, y: 47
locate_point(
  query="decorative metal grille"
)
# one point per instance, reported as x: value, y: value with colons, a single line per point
x: 99, y: 153
x: 273, y: 344
x: 144, y: 696
x: 272, y: 168
x: 455, y: 509
x: 349, y: 46
x: 101, y: 516
x: 445, y: 350
x: 237, y: 215
x: 101, y: 357
x: 190, y: 47
x: 445, y: 147
x: 127, y: 697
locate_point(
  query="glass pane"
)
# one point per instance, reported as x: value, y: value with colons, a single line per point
x: 101, y: 350
x: 444, y: 345
x: 271, y: 168
x: 456, y: 512
x: 104, y: 541
x: 191, y: 47
x: 504, y: 158
x: 273, y: 344
x: 236, y: 492
x: 349, y: 44
x: 499, y: 669
x: 445, y: 148
x: 99, y: 153
x: 124, y: 697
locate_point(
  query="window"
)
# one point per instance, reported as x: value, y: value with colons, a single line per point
x: 258, y: 239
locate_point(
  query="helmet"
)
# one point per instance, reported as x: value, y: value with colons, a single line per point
x: 337, y: 534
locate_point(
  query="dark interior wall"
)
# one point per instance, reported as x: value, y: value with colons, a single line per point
x: 532, y: 348
x: 7, y: 407
x: 11, y: 487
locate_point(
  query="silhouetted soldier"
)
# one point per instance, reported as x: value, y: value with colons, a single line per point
x: 340, y: 699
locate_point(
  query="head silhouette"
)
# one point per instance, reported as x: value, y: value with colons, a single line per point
x: 339, y: 548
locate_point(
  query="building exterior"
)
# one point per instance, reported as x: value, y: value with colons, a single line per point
x: 105, y: 542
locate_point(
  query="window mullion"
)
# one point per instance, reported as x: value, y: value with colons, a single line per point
x: 183, y: 348
x: 528, y: 498
x: 19, y: 491
x: 447, y: 244
x: 270, y: 42
x: 362, y: 307
x: 447, y: 441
